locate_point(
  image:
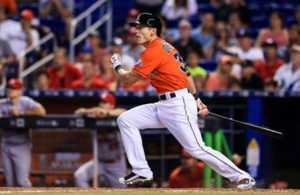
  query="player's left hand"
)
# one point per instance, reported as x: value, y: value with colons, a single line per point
x: 115, y: 60
x: 14, y: 111
x: 203, y: 110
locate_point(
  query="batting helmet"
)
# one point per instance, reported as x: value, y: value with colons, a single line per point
x: 150, y: 20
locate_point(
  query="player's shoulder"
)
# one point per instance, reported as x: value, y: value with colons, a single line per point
x: 158, y: 48
x: 26, y: 99
x: 4, y: 101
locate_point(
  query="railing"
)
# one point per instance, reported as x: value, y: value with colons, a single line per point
x: 25, y: 72
x: 107, y: 17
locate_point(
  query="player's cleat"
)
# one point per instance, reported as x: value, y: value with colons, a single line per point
x: 246, y: 183
x: 133, y: 178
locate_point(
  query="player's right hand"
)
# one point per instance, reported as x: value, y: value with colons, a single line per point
x: 203, y: 110
x: 115, y: 60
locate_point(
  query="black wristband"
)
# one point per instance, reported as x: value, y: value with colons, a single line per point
x: 196, y: 96
x: 118, y: 67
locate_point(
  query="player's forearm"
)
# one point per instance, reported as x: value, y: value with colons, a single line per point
x: 192, y: 88
x: 38, y: 111
x: 126, y: 77
x: 116, y: 112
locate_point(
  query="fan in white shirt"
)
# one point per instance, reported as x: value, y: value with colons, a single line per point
x: 19, y: 35
x: 245, y: 49
x: 288, y: 76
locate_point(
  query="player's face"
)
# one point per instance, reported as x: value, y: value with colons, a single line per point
x: 295, y: 58
x: 144, y: 34
x: 106, y: 105
x: 13, y: 93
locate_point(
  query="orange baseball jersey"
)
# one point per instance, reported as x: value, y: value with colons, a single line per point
x: 162, y: 63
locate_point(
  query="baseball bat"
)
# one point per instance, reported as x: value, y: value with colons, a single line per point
x: 263, y: 130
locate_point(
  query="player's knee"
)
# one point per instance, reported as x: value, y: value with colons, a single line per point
x: 78, y: 175
x: 121, y: 120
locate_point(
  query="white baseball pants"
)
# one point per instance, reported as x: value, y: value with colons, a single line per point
x: 179, y: 116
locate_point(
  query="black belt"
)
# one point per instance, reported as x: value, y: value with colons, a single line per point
x: 164, y: 96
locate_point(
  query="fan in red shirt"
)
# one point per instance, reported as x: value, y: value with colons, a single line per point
x: 189, y: 174
x: 90, y: 80
x: 62, y: 73
x: 266, y: 69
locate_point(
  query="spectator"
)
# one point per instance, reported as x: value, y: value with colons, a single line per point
x: 204, y: 34
x: 220, y: 78
x: 276, y: 31
x: 234, y: 26
x: 62, y: 73
x: 294, y: 35
x: 32, y: 36
x: 42, y: 81
x: 18, y: 35
x: 245, y: 50
x: 179, y: 9
x: 16, y: 146
x: 6, y: 24
x: 221, y: 39
x: 107, y: 73
x: 220, y: 10
x: 198, y: 73
x: 10, y: 6
x: 123, y: 30
x: 85, y: 55
x: 152, y: 6
x: 111, y: 159
x: 270, y: 86
x: 96, y: 46
x: 234, y: 85
x: 189, y: 174
x: 132, y: 48
x: 250, y: 80
x: 6, y: 54
x: 266, y: 69
x: 58, y: 9
x: 90, y: 79
x: 288, y: 76
x: 239, y: 7
x: 186, y: 43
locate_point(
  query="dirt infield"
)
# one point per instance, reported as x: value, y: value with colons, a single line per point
x: 138, y: 191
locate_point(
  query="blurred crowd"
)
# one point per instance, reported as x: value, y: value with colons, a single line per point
x: 223, y: 46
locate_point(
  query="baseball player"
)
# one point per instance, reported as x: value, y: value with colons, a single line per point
x: 176, y: 109
x: 16, y: 144
x: 111, y: 160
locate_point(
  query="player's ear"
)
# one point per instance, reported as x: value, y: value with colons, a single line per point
x: 153, y: 31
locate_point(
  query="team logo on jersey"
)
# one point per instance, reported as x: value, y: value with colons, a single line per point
x: 167, y: 47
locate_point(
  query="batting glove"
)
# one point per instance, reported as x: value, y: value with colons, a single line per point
x: 202, y: 108
x: 116, y: 61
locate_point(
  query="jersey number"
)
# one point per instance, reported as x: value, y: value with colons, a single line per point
x: 180, y: 60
